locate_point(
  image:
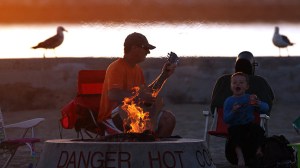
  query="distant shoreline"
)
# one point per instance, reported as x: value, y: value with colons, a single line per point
x: 201, y: 12
x: 264, y: 62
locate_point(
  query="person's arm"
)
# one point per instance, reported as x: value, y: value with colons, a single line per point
x: 216, y: 91
x: 263, y: 90
x: 167, y: 70
x: 220, y: 92
x: 260, y: 106
x: 263, y: 107
x: 229, y: 111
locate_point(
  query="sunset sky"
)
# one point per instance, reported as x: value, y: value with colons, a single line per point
x: 24, y: 11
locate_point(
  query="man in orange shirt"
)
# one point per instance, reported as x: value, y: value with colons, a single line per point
x: 123, y: 75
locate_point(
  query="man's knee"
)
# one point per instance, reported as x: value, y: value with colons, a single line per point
x: 166, y: 124
x: 168, y: 117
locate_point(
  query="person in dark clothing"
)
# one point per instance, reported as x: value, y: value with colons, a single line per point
x: 257, y: 85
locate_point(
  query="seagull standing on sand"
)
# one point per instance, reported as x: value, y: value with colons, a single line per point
x: 281, y: 41
x: 52, y: 42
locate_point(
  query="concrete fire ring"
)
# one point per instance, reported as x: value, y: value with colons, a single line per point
x: 167, y: 153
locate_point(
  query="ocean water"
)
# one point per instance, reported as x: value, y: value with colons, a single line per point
x: 186, y: 39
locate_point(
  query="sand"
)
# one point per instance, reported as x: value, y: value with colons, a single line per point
x: 40, y: 88
x: 190, y: 124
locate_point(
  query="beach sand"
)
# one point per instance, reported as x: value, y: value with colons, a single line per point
x: 190, y: 124
x: 41, y: 87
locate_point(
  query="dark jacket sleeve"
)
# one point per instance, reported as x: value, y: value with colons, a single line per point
x: 260, y: 87
x: 220, y: 92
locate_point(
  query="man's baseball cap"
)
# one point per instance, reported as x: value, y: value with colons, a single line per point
x: 139, y: 40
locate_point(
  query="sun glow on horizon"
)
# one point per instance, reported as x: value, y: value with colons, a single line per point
x: 106, y: 40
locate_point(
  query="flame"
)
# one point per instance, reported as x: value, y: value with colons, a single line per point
x: 155, y: 93
x: 137, y: 120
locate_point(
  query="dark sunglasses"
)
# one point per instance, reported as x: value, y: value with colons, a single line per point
x: 145, y: 48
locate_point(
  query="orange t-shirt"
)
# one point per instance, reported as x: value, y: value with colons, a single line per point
x: 121, y: 76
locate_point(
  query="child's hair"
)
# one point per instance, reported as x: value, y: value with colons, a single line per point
x: 241, y: 74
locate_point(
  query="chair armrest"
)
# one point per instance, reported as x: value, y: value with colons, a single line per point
x: 206, y: 113
x: 264, y: 116
x: 25, y: 124
x: 264, y: 122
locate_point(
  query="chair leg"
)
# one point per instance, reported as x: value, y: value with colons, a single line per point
x: 81, y: 135
x: 34, y: 158
x: 33, y: 155
x: 12, y: 154
x: 207, y: 141
x: 60, y: 130
x: 87, y: 133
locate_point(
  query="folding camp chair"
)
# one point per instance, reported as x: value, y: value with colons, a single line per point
x: 81, y: 112
x: 296, y: 125
x: 218, y: 127
x: 10, y: 146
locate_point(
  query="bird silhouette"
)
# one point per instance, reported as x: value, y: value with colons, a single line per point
x: 52, y: 42
x: 281, y: 41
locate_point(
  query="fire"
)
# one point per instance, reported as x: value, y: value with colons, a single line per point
x: 155, y: 93
x: 137, y: 120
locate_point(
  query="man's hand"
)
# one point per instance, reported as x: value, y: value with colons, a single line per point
x: 254, y: 101
x: 146, y: 95
x: 168, y: 69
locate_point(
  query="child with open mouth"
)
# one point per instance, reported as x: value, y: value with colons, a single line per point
x: 239, y: 115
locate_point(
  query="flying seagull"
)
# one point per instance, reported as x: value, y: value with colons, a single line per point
x: 281, y: 41
x: 54, y: 41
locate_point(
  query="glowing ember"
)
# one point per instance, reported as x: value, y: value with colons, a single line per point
x: 137, y: 120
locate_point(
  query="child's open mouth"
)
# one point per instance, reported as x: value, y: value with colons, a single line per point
x: 237, y: 88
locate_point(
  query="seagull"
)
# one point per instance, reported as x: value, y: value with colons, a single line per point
x: 281, y: 41
x: 54, y: 41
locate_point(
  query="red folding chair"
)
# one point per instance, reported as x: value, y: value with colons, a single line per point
x: 82, y: 111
